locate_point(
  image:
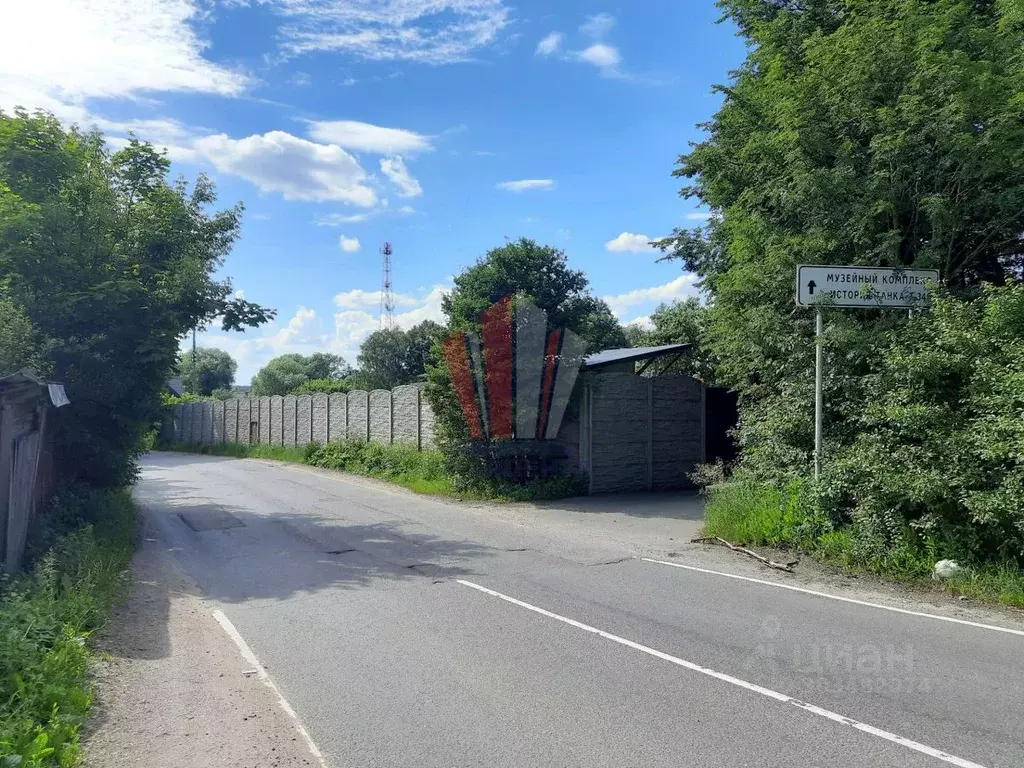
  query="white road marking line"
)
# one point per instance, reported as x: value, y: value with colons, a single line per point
x: 780, y: 697
x: 950, y: 619
x: 261, y: 673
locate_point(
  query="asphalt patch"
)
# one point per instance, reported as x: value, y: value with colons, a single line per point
x: 210, y: 520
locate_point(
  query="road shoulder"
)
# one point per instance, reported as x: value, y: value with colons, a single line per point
x: 173, y: 691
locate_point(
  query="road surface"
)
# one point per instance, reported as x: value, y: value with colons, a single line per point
x: 407, y: 631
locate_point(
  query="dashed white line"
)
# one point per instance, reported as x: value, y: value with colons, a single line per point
x: 780, y: 697
x: 261, y: 673
x: 790, y: 587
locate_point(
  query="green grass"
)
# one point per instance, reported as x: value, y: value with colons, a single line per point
x: 754, y: 514
x: 46, y: 619
x: 419, y: 471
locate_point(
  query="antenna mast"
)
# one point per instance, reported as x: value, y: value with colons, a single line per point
x: 387, y: 295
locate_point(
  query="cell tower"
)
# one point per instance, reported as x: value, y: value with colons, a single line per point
x: 387, y: 295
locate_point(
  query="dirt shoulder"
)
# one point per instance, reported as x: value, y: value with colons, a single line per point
x: 173, y: 690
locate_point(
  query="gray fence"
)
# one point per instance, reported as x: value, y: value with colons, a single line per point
x: 639, y: 433
x: 399, y: 416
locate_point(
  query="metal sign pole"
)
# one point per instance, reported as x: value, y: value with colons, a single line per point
x: 818, y: 359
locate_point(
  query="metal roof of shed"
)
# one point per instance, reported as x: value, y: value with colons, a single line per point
x: 627, y: 354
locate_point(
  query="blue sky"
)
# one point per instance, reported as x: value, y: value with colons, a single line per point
x: 444, y: 126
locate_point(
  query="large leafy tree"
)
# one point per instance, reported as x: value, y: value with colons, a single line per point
x: 208, y: 369
x: 287, y: 373
x: 390, y: 357
x: 541, y: 274
x: 104, y: 266
x: 870, y: 132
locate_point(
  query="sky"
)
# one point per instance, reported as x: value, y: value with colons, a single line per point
x: 441, y: 126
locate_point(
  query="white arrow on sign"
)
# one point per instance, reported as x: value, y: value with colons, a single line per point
x: 869, y: 287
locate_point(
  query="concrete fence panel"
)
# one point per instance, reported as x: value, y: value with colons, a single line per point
x: 266, y: 427
x: 426, y: 423
x: 337, y: 416
x: 380, y: 416
x: 358, y: 427
x: 276, y: 420
x: 677, y: 430
x: 206, y: 437
x: 619, y: 432
x: 246, y: 415
x: 405, y: 405
x: 185, y: 416
x: 217, y: 412
x: 303, y: 420
x: 231, y: 420
x: 319, y: 418
x: 288, y: 428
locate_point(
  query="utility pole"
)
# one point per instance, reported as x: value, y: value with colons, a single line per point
x: 387, y: 295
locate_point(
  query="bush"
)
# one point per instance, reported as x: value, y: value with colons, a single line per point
x: 938, y: 462
x: 46, y: 618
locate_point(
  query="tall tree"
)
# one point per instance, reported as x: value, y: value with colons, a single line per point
x: 542, y: 275
x: 105, y: 266
x: 869, y: 132
x: 286, y: 373
x: 390, y: 357
x: 209, y: 369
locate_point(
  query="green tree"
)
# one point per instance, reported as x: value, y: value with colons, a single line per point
x: 540, y: 274
x: 390, y: 357
x: 869, y: 132
x: 285, y: 374
x: 212, y: 369
x: 106, y: 265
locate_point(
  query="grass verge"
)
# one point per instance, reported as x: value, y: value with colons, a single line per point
x: 754, y: 514
x: 46, y: 618
x: 419, y: 471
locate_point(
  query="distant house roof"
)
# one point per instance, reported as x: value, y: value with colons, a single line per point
x: 631, y: 354
x: 175, y: 387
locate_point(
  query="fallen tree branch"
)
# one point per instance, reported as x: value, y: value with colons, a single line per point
x: 787, y: 567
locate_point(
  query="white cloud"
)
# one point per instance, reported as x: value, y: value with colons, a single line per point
x: 297, y: 168
x: 357, y: 298
x: 605, y: 57
x: 428, y: 31
x: 239, y: 294
x: 643, y: 322
x: 598, y: 26
x: 628, y: 242
x: 365, y: 137
x: 338, y: 219
x: 550, y: 44
x: 698, y: 216
x: 407, y: 210
x: 349, y: 244
x: 57, y: 54
x: 394, y: 168
x: 301, y: 79
x: 682, y: 287
x: 522, y: 185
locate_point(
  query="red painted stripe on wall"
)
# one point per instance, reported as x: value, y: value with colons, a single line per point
x: 550, y: 367
x: 457, y: 358
x: 496, y: 326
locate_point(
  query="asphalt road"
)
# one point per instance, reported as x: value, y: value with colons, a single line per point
x: 407, y: 631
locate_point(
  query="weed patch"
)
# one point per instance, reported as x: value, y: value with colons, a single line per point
x: 46, y: 619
